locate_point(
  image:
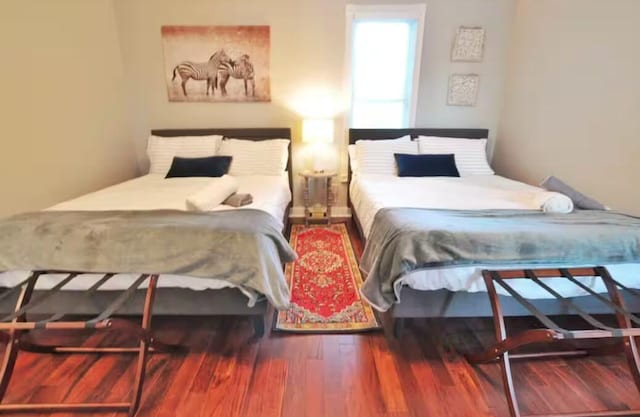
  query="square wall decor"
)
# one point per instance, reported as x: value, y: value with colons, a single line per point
x: 217, y: 63
x: 463, y: 89
x: 468, y: 45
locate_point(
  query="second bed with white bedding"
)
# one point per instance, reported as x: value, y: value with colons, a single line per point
x: 371, y: 193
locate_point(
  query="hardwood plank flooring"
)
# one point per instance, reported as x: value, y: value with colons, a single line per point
x: 225, y: 373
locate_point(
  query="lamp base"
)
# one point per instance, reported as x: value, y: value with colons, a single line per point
x: 318, y: 169
x: 322, y: 161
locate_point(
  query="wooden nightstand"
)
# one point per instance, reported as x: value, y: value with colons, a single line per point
x: 327, y: 177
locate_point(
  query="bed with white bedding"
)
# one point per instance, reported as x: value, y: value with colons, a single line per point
x: 453, y: 290
x: 177, y: 294
x: 370, y: 193
x: 271, y: 194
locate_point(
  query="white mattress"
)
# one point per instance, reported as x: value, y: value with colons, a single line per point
x: 153, y: 192
x: 370, y: 193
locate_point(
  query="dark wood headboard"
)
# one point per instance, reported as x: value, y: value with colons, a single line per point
x: 257, y: 133
x: 378, y: 134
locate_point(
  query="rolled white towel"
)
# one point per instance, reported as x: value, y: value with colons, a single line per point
x: 551, y: 202
x: 213, y: 194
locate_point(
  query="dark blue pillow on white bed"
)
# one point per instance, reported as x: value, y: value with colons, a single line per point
x: 209, y: 166
x: 426, y: 165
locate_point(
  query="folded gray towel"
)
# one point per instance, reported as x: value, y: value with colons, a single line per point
x: 580, y: 200
x: 238, y: 200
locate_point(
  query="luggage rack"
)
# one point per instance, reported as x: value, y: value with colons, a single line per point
x: 553, y: 332
x: 15, y: 325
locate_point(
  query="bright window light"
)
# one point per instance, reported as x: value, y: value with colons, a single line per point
x: 384, y: 45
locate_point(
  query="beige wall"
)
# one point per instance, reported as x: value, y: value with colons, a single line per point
x: 63, y: 127
x: 307, y: 57
x: 89, y: 86
x: 572, y: 105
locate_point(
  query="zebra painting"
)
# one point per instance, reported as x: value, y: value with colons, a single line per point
x: 242, y: 55
x: 241, y: 69
x: 201, y: 71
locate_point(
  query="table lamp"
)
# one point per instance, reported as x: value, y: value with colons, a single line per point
x: 318, y: 133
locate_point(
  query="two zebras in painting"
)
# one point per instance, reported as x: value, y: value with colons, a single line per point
x: 218, y: 69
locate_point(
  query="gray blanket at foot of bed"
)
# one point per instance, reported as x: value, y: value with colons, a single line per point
x: 244, y: 247
x: 403, y: 240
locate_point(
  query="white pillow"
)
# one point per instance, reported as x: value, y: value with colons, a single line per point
x: 264, y: 157
x: 470, y: 154
x: 376, y: 156
x: 161, y: 150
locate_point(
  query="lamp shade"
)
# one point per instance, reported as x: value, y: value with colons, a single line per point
x: 317, y: 130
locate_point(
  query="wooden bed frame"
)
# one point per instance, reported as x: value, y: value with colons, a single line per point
x: 444, y: 303
x: 14, y: 327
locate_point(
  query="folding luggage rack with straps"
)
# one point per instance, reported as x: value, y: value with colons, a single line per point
x: 553, y: 332
x: 15, y: 326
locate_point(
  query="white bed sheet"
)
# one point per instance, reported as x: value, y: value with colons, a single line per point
x: 271, y: 194
x: 153, y: 192
x: 370, y: 193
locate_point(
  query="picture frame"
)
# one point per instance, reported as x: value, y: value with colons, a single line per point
x: 463, y: 89
x: 468, y: 45
x: 217, y: 63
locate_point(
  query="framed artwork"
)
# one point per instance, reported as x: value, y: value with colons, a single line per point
x: 463, y: 89
x: 217, y: 63
x: 468, y: 45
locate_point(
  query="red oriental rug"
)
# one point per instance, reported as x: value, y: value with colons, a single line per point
x: 325, y: 283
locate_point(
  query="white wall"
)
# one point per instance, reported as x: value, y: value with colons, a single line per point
x: 570, y: 108
x: 572, y: 104
x: 307, y: 60
x: 61, y: 108
x: 443, y: 19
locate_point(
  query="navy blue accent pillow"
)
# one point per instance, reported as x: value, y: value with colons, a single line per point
x: 209, y: 166
x: 426, y: 165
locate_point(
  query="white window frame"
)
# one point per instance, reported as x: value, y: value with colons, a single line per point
x: 384, y: 11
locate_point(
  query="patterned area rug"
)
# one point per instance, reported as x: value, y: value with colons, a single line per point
x: 325, y: 282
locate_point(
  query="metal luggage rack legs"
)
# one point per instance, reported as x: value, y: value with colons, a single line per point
x: 15, y: 325
x: 552, y: 332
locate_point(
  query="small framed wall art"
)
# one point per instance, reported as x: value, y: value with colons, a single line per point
x: 463, y: 89
x: 468, y: 45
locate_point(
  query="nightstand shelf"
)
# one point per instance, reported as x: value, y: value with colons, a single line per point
x: 310, y: 211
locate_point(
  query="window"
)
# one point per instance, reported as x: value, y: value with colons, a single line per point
x: 384, y: 44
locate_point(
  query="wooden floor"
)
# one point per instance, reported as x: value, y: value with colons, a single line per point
x: 226, y: 374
